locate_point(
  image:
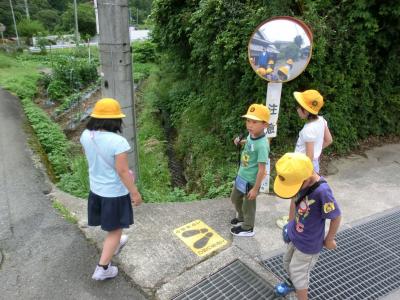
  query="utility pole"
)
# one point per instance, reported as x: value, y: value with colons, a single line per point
x: 96, y: 13
x: 27, y: 10
x: 15, y: 24
x: 76, y: 24
x: 116, y: 66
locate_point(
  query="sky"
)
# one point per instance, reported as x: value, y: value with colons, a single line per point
x: 284, y: 30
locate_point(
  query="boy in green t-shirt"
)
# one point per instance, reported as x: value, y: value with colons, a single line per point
x: 253, y: 160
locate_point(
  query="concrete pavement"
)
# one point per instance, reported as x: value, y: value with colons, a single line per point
x: 163, y: 266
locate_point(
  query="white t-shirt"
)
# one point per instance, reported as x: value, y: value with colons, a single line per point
x: 104, y: 179
x: 312, y: 132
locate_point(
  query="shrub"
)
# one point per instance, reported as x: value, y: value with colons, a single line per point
x: 144, y: 52
x: 58, y: 89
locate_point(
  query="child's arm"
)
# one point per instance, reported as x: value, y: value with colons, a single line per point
x: 292, y: 209
x: 327, y: 137
x: 329, y: 241
x: 122, y: 167
x: 310, y: 150
x: 252, y: 194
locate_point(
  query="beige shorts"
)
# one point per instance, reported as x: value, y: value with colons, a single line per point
x: 299, y: 265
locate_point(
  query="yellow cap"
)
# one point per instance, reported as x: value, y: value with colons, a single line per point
x: 271, y: 62
x: 310, y: 100
x: 289, y: 61
x: 284, y: 70
x: 107, y: 108
x: 257, y: 112
x: 261, y: 71
x: 269, y: 70
x: 292, y: 170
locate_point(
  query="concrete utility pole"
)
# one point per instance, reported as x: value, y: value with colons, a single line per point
x: 27, y: 10
x: 76, y: 24
x: 15, y: 24
x: 96, y: 13
x: 116, y: 65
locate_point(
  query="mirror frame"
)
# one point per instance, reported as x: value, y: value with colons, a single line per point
x: 303, y: 25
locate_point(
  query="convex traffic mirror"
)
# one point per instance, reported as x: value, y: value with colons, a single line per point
x: 280, y: 48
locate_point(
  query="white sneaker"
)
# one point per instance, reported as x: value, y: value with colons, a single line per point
x: 101, y: 274
x: 239, y: 231
x: 122, y: 243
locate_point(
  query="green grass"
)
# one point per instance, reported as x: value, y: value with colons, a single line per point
x: 155, y: 177
x: 64, y: 212
x: 19, y: 77
x: 142, y: 70
x: 153, y: 164
x: 77, y: 181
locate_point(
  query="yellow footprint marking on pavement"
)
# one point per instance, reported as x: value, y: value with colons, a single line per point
x: 200, y: 238
x: 203, y: 241
x: 194, y: 232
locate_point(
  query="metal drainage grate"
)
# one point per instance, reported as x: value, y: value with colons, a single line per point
x: 235, y: 281
x: 366, y: 264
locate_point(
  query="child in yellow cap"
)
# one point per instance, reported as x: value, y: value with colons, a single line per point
x: 112, y: 189
x: 315, y: 135
x: 305, y: 232
x: 251, y: 172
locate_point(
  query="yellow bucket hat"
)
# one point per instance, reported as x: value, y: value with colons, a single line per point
x: 284, y: 70
x: 310, y: 100
x: 257, y: 112
x: 107, y: 108
x: 292, y: 170
x: 261, y: 71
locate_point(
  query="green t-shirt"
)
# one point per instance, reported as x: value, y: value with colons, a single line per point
x: 255, y: 151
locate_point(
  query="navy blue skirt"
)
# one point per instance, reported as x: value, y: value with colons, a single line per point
x: 110, y: 213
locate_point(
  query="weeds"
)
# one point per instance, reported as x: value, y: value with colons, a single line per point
x: 64, y: 212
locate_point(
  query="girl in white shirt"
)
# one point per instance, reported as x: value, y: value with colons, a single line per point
x: 315, y: 134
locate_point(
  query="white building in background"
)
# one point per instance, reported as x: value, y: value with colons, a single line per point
x: 135, y: 35
x: 68, y: 40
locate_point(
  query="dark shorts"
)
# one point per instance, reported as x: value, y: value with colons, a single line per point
x: 110, y: 213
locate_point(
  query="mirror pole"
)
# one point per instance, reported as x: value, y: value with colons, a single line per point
x: 273, y: 100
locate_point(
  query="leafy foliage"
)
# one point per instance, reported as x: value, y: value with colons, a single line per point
x: 50, y: 136
x: 207, y: 83
x: 27, y: 28
x: 70, y: 74
x: 144, y: 52
x: 76, y: 182
x: 86, y: 19
x: 139, y: 10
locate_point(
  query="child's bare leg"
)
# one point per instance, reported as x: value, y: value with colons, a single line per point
x: 111, y: 243
x: 302, y: 294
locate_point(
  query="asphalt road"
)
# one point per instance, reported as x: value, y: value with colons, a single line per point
x: 42, y: 256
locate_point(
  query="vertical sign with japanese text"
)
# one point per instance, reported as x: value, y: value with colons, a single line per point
x: 273, y: 101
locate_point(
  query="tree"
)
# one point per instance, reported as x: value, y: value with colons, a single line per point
x: 86, y: 19
x: 298, y: 40
x: 49, y: 18
x: 60, y: 5
x: 140, y: 9
x: 28, y: 28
